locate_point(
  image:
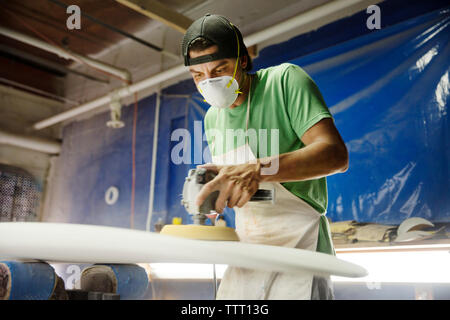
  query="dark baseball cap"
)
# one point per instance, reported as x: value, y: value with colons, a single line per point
x: 220, y: 31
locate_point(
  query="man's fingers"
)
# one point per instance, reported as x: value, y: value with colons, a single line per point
x: 210, y: 166
x: 246, y: 196
x: 211, y: 186
x: 235, y: 196
x: 223, y: 197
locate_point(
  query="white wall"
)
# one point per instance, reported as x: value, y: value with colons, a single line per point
x: 18, y: 110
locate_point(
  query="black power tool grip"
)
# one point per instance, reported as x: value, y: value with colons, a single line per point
x: 204, y: 176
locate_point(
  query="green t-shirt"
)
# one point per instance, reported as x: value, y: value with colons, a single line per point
x: 282, y: 97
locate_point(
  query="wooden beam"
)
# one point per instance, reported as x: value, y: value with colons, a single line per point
x: 157, y: 11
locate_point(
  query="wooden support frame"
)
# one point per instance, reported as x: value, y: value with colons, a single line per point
x: 158, y: 11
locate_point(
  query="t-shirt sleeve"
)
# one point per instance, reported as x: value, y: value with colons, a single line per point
x: 209, y: 124
x: 303, y: 100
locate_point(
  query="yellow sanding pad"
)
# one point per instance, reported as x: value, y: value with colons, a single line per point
x: 198, y: 232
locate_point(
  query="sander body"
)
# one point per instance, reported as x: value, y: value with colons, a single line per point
x: 193, y: 184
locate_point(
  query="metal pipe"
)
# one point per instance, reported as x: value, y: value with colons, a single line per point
x: 309, y: 20
x: 31, y: 90
x: 153, y: 168
x: 120, y: 93
x: 65, y: 53
x: 38, y: 62
x: 31, y: 143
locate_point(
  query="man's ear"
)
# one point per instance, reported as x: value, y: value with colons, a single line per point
x: 244, y: 62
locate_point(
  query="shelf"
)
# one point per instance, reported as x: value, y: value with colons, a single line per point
x: 422, y: 245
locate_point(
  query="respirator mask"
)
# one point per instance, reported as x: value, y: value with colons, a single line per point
x: 220, y: 92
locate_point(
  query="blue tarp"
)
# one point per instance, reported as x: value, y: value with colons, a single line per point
x: 388, y: 92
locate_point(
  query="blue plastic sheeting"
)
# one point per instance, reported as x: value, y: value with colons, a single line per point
x: 388, y: 92
x: 181, y: 151
x: 93, y: 159
x: 392, y: 12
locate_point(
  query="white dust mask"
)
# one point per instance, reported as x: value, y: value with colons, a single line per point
x: 220, y: 92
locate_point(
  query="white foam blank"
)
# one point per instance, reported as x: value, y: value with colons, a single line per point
x: 76, y: 243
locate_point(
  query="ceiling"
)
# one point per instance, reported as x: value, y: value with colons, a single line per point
x: 46, y: 20
x: 31, y: 69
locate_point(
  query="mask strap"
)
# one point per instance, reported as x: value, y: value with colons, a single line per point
x: 238, y: 55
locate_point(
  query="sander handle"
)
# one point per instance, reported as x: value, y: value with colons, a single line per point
x: 203, y: 176
x: 262, y: 195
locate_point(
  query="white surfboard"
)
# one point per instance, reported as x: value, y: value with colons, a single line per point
x: 76, y: 243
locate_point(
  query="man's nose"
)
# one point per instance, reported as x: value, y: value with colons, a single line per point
x: 206, y: 76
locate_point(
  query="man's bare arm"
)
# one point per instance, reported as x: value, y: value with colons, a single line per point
x: 324, y: 154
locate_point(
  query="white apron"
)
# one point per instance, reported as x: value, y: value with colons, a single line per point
x: 288, y: 221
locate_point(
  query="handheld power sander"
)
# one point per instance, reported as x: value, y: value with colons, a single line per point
x: 194, y: 182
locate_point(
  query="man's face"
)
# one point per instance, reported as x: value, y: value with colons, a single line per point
x: 213, y: 69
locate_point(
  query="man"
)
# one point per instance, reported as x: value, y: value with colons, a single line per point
x: 286, y: 103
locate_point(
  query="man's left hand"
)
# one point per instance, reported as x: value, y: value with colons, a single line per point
x: 236, y: 183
